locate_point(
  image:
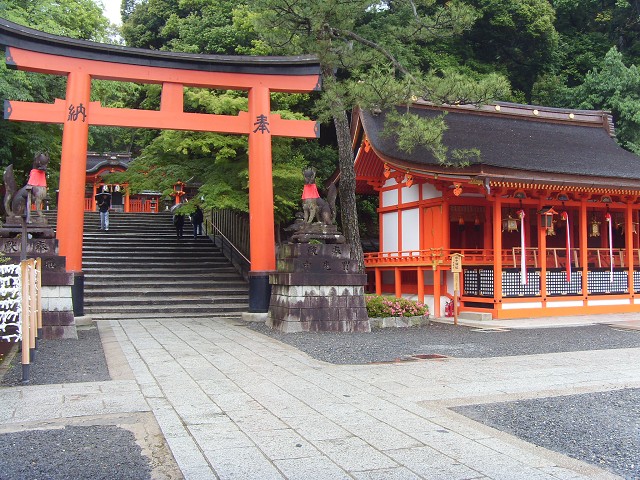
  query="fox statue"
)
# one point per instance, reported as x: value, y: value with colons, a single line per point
x: 15, y: 201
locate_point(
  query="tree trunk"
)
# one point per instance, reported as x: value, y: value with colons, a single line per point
x: 347, y: 189
x: 347, y: 182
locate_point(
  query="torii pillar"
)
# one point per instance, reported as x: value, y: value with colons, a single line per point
x: 81, y: 61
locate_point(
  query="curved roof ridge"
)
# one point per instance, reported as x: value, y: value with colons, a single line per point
x: 522, y: 143
x: 19, y: 36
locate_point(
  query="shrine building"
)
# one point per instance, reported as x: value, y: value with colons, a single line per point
x: 545, y: 215
x: 100, y: 165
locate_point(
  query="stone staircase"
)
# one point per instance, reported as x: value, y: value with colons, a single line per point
x: 139, y: 269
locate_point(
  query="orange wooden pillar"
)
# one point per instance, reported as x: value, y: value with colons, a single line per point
x: 628, y: 243
x: 398, y: 282
x: 542, y: 247
x: 127, y: 199
x: 497, y: 251
x: 73, y: 167
x: 93, y: 196
x: 584, y: 251
x: 378, y: 276
x: 262, y: 238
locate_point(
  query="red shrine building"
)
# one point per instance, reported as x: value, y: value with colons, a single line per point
x: 545, y: 214
x: 99, y: 165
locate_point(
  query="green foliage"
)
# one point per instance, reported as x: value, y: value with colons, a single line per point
x: 192, y: 26
x: 387, y: 306
x: 517, y: 37
x: 19, y: 141
x: 614, y: 87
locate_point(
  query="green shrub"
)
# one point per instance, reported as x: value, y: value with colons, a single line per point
x: 386, y: 306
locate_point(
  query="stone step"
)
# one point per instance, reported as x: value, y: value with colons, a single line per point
x: 166, y: 315
x: 158, y: 301
x: 139, y: 269
x: 134, y: 265
x: 109, y: 291
x: 475, y: 316
x: 136, y: 310
x: 125, y: 275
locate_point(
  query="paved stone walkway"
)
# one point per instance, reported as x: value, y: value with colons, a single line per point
x: 234, y: 404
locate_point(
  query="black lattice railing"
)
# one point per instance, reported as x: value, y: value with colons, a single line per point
x: 478, y: 282
x: 602, y: 281
x: 512, y: 285
x: 557, y: 282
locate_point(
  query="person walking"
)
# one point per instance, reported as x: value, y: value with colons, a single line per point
x: 197, y: 218
x: 104, y: 204
x: 178, y: 222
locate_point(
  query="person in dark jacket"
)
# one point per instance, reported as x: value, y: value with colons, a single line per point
x: 196, y: 218
x: 178, y: 222
x: 104, y: 204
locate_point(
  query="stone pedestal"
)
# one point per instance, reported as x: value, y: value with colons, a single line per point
x: 317, y: 288
x: 58, y: 320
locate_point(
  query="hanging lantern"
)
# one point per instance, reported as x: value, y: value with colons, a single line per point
x: 116, y: 188
x: 510, y: 224
x: 551, y: 231
x: 461, y: 223
x: 457, y: 189
x: 546, y: 219
x: 594, y: 226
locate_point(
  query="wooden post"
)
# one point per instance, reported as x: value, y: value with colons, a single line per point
x: 628, y: 243
x: 497, y: 250
x: 378, y: 275
x: 584, y: 250
x: 38, y: 266
x: 24, y: 321
x: 456, y: 269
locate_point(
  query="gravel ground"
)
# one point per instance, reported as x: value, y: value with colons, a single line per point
x: 102, y: 452
x: 63, y: 361
x: 392, y: 344
x: 97, y: 452
x: 599, y: 428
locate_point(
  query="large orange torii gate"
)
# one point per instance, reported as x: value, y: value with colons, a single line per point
x: 81, y: 61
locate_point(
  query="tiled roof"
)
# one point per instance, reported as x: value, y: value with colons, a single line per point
x: 517, y: 138
x: 98, y: 161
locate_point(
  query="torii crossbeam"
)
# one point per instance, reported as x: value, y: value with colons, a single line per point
x: 81, y: 61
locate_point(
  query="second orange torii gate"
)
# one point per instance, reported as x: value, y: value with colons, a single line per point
x: 81, y: 61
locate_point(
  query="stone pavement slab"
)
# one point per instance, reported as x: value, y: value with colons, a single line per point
x: 233, y: 403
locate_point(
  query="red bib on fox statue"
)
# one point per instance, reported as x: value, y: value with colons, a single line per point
x: 37, y: 178
x: 310, y: 191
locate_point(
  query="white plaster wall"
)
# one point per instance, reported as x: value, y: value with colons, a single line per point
x: 620, y: 301
x: 389, y: 232
x: 575, y: 303
x: 429, y: 191
x: 390, y: 198
x: 519, y: 306
x: 411, y: 194
x: 410, y: 229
